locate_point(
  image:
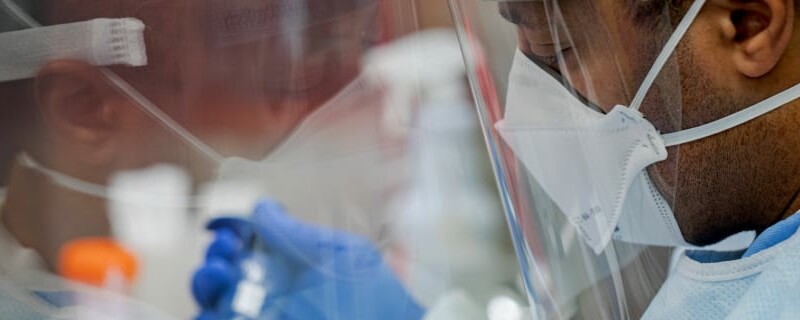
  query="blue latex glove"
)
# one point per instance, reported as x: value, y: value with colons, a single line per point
x: 317, y: 273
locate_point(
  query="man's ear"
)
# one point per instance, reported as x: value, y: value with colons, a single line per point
x: 80, y: 110
x: 760, y: 32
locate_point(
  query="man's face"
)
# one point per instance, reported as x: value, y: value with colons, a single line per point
x: 242, y: 74
x: 604, y: 48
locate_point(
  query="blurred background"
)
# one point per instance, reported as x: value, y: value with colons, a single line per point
x: 447, y: 238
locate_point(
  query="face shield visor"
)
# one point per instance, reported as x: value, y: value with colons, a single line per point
x: 194, y: 109
x: 584, y: 115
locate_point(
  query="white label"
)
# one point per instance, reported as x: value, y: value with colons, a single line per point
x: 248, y: 299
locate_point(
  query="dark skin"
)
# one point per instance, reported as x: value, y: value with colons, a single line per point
x: 734, y: 55
x: 241, y: 95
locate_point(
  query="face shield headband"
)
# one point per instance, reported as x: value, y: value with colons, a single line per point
x: 99, y: 42
x: 553, y: 133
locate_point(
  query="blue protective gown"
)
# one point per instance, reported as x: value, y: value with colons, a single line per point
x: 762, y: 282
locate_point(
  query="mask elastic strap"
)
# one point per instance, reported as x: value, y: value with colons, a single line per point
x: 86, y: 187
x: 64, y: 180
x: 717, y: 126
x: 666, y: 52
x: 738, y: 118
x: 150, y: 108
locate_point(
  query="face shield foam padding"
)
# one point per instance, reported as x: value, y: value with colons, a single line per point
x: 100, y: 42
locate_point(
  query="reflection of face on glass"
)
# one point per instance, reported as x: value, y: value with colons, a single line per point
x: 223, y: 79
x: 245, y: 72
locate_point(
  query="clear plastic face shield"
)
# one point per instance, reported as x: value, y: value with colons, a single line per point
x: 584, y: 114
x: 144, y: 120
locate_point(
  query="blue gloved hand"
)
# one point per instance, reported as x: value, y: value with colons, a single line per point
x: 313, y: 272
